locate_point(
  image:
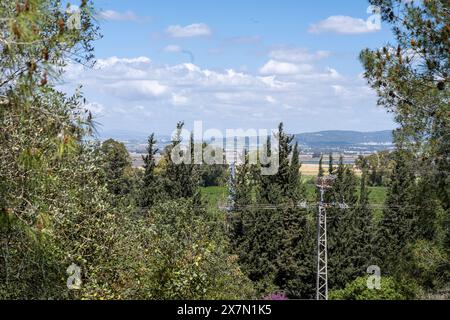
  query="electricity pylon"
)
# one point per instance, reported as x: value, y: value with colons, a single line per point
x: 232, y: 185
x: 323, y: 183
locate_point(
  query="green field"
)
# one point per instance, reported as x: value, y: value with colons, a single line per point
x: 218, y: 195
x: 215, y: 196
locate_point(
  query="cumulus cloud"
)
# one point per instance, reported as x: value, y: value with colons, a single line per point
x: 134, y: 91
x: 344, y: 25
x: 112, y: 15
x: 273, y: 67
x: 179, y: 100
x: 189, y: 31
x: 114, y: 61
x: 172, y: 48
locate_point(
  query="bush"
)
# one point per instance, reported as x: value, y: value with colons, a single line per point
x: 390, y: 290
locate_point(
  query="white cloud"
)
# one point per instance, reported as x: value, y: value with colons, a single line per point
x: 112, y: 15
x: 169, y: 93
x: 136, y: 89
x: 179, y: 100
x: 190, y: 31
x: 343, y: 25
x: 271, y: 99
x: 173, y: 48
x: 113, y: 61
x: 297, y: 55
x: 273, y: 67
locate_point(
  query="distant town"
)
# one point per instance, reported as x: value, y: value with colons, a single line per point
x: 349, y: 144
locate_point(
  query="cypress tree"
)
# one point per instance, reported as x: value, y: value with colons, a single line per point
x: 295, y: 273
x: 278, y: 245
x: 151, y: 188
x: 181, y: 180
x: 363, y: 231
x: 243, y: 201
x: 116, y: 165
x: 396, y: 226
x: 330, y: 164
x: 296, y: 190
x: 321, y: 171
x: 343, y: 228
x: 262, y: 225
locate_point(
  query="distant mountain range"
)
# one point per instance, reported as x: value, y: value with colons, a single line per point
x: 343, y: 138
x: 345, y: 141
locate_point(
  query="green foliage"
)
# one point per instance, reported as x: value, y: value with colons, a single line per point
x: 358, y: 290
x: 151, y: 188
x: 180, y: 180
x: 350, y: 229
x: 117, y: 167
x: 212, y: 174
x: 65, y: 200
x: 321, y: 171
x: 191, y: 259
x: 396, y: 228
x: 411, y: 79
x: 379, y: 165
x: 275, y: 246
x: 427, y: 264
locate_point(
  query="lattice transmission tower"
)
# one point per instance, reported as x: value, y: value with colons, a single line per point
x: 232, y: 184
x: 323, y: 183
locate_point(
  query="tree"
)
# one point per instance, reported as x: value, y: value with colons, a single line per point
x: 57, y: 209
x: 243, y: 200
x: 39, y: 37
x: 358, y: 290
x: 411, y: 80
x: 364, y: 229
x: 151, y: 189
x: 296, y: 256
x: 117, y: 168
x: 56, y: 186
x: 296, y: 188
x: 379, y: 165
x: 321, y: 171
x: 260, y: 241
x: 192, y: 259
x: 349, y: 229
x: 180, y: 180
x: 396, y: 227
x: 276, y: 239
x: 330, y: 164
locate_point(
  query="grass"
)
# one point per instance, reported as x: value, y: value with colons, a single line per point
x: 215, y: 195
x: 218, y: 195
x: 377, y: 195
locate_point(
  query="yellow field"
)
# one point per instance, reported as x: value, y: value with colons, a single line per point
x: 310, y: 169
x: 313, y: 169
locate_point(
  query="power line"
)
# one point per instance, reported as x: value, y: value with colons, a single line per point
x: 311, y: 205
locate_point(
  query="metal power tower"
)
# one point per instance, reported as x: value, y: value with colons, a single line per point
x: 232, y: 185
x: 323, y: 183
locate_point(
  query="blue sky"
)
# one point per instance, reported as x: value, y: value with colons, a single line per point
x: 232, y: 64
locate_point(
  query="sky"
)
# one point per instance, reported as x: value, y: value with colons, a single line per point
x: 232, y: 64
